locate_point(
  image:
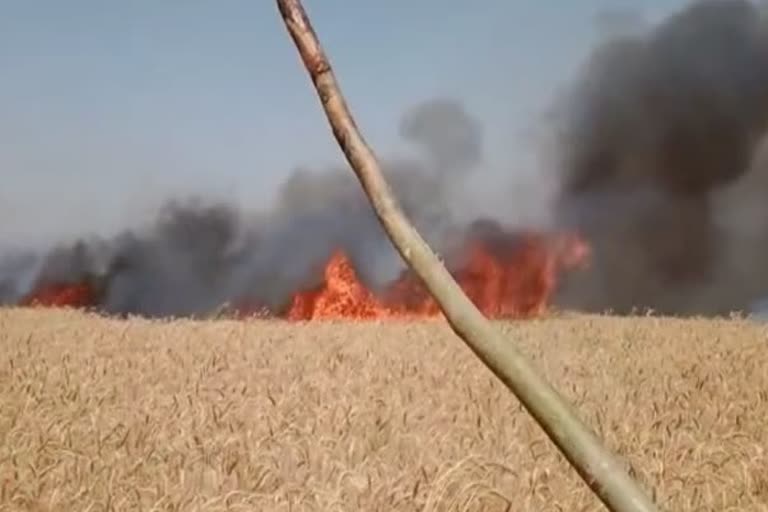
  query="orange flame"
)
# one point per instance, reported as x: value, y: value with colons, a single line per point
x: 341, y: 296
x: 512, y: 279
x: 504, y: 275
x: 62, y: 295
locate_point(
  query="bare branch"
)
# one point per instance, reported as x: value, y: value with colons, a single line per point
x: 599, y: 468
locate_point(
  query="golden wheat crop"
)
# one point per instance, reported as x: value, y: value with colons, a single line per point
x: 104, y: 414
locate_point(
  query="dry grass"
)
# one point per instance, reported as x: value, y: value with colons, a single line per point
x: 100, y: 414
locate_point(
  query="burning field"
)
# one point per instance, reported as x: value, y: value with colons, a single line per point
x: 652, y: 197
x: 507, y: 275
x: 100, y: 413
x: 283, y: 358
x: 318, y: 253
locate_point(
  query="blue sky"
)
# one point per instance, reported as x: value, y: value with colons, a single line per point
x: 108, y: 108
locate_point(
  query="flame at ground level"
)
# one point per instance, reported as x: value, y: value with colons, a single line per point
x: 509, y: 277
x: 506, y: 275
x: 62, y: 295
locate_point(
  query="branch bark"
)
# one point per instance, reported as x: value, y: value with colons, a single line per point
x: 597, y: 466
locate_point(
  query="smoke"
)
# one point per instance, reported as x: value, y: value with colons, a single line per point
x: 18, y: 269
x: 450, y: 137
x: 661, y: 164
x: 656, y: 140
x: 197, y: 255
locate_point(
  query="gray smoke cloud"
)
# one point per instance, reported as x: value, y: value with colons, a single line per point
x: 18, y: 269
x: 198, y: 254
x: 451, y: 138
x: 657, y: 139
x: 662, y: 165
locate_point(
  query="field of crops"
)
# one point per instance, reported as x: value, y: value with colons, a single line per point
x: 105, y: 414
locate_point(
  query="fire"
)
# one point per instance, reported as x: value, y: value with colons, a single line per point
x: 505, y: 277
x: 342, y: 295
x: 61, y: 295
x: 519, y: 279
x: 505, y: 274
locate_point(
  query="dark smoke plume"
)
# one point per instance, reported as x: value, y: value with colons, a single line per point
x: 658, y: 129
x: 199, y: 255
x: 662, y: 166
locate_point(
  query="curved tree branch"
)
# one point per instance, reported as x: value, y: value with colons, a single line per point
x: 599, y: 468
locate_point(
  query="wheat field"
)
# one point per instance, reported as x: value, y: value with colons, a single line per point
x: 104, y: 414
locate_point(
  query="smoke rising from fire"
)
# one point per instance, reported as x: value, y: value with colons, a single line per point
x: 661, y: 163
x: 197, y: 254
x: 657, y: 140
x: 451, y: 138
